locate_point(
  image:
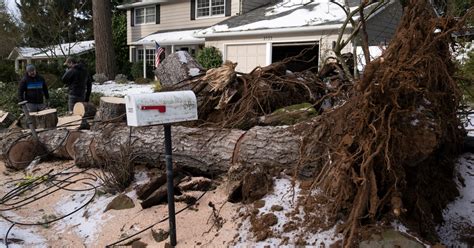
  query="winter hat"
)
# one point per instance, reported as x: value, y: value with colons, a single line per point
x: 30, y: 68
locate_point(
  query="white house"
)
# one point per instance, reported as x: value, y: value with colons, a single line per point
x: 26, y: 55
x: 249, y: 32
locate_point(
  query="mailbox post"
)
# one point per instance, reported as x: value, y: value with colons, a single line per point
x: 163, y: 108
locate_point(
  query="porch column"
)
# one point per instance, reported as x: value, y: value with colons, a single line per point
x: 172, y: 49
x: 144, y: 61
x: 269, y: 53
x: 17, y: 65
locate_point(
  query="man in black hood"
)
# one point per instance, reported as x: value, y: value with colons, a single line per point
x: 78, y: 81
x: 33, y: 88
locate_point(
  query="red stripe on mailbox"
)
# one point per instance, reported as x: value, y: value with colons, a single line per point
x: 160, y: 108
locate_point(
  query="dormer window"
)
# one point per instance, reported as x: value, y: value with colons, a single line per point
x: 207, y: 8
x: 145, y: 15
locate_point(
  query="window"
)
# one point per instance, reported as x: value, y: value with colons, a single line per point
x: 149, y: 56
x: 145, y: 15
x: 210, y: 8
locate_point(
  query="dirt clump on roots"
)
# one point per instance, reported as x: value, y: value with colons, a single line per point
x: 393, y: 154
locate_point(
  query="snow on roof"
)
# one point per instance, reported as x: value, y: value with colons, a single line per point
x: 62, y: 50
x: 285, y: 14
x: 171, y: 38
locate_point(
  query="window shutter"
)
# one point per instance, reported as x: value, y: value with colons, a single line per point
x: 132, y: 17
x: 134, y: 55
x: 228, y: 7
x: 193, y: 9
x: 157, y: 11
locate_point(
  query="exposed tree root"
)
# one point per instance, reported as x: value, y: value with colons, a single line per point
x: 394, y: 150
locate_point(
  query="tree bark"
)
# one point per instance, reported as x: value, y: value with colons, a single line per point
x: 111, y: 109
x: 104, y: 52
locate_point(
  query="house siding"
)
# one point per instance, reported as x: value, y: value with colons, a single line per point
x: 174, y: 16
x: 382, y: 27
x: 323, y: 38
x: 248, y: 5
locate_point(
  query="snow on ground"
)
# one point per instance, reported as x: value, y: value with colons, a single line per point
x: 459, y: 215
x: 26, y: 235
x: 87, y: 221
x: 111, y: 88
x: 285, y: 195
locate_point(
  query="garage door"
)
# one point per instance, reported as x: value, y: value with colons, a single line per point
x: 248, y: 56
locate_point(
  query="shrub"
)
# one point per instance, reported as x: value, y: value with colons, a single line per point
x: 7, y: 71
x: 121, y: 79
x: 100, y: 78
x: 9, y: 98
x: 209, y: 57
x: 137, y: 71
x: 58, y: 100
x: 142, y: 81
x: 52, y: 80
x: 95, y: 98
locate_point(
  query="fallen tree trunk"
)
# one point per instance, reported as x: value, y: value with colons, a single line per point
x: 111, y: 109
x: 207, y: 151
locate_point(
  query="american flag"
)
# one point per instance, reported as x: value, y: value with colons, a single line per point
x: 158, y: 51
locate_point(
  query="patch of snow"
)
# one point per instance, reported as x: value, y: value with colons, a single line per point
x: 111, y: 88
x: 469, y: 125
x: 170, y: 38
x: 459, y: 214
x: 182, y: 57
x: 415, y: 122
x: 194, y: 72
x: 284, y: 195
x: 437, y: 31
x: 86, y: 222
x: 25, y: 233
x: 462, y: 54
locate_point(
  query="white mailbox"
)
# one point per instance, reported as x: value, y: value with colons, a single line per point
x: 161, y: 108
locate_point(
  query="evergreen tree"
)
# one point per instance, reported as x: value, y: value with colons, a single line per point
x: 9, y: 32
x: 51, y: 22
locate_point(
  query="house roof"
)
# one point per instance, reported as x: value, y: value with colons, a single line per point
x: 176, y: 37
x: 142, y: 3
x: 284, y: 15
x: 62, y: 50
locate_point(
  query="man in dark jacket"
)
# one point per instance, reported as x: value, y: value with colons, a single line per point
x: 33, y: 89
x: 78, y: 81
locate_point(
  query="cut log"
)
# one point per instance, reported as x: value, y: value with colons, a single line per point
x: 47, y: 118
x: 84, y: 109
x: 111, y: 109
x: 6, y: 119
x: 22, y: 153
x: 202, y: 151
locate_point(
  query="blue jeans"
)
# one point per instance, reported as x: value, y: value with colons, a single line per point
x: 72, y: 100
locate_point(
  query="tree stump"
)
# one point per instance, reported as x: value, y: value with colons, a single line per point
x: 47, y: 118
x: 111, y: 109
